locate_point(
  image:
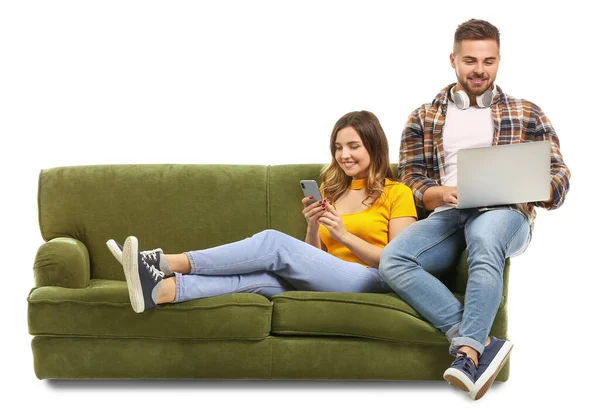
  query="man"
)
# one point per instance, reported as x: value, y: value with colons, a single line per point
x: 473, y: 112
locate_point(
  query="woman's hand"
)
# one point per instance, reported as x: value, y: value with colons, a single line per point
x: 332, y: 220
x: 312, y: 213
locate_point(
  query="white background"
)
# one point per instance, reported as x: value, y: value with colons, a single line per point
x: 102, y: 82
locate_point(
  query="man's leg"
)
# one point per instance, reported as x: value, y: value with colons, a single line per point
x: 411, y: 260
x: 491, y: 237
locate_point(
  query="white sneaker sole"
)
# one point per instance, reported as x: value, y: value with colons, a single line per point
x: 487, y: 379
x: 114, y: 249
x: 458, y: 379
x: 132, y: 274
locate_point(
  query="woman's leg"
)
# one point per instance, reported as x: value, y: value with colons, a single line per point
x: 256, y: 264
x: 190, y: 287
x: 301, y: 265
x: 178, y: 263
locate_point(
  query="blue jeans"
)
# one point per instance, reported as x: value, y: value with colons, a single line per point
x: 427, y: 248
x: 268, y: 263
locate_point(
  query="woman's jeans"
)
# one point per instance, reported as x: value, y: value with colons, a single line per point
x: 427, y: 248
x: 268, y: 263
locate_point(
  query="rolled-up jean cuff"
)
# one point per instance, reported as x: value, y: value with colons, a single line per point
x: 452, y: 332
x: 459, y: 341
x: 192, y: 263
x: 177, y: 287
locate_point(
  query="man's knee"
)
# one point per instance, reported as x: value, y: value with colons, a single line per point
x: 481, y: 242
x: 393, y: 261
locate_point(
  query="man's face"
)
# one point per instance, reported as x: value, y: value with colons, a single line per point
x: 476, y: 65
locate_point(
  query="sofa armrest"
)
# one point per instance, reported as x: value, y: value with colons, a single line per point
x: 62, y: 262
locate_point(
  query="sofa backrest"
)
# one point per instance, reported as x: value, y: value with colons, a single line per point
x: 176, y: 207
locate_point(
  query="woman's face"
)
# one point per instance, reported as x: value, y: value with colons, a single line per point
x: 351, y: 154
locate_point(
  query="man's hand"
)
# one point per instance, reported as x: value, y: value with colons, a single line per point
x: 450, y: 195
x: 439, y: 195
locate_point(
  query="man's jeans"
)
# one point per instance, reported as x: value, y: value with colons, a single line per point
x: 268, y: 263
x: 427, y: 248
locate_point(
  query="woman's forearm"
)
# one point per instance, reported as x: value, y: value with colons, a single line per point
x: 367, y: 252
x: 312, y: 238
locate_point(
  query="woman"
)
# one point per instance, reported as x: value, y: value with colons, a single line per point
x: 362, y: 210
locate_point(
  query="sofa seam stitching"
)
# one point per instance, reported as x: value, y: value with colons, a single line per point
x: 297, y: 333
x: 365, y: 303
x: 40, y: 204
x: 116, y: 304
x: 170, y: 338
x: 268, y: 196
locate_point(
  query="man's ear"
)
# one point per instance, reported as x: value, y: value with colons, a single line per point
x: 452, y: 59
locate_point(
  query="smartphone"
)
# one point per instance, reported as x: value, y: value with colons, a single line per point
x: 311, y: 188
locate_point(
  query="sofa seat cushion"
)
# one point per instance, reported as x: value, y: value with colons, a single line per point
x: 103, y: 310
x: 375, y: 316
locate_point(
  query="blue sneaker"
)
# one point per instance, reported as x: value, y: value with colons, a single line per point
x: 117, y: 251
x: 491, y: 361
x: 461, y: 373
x: 150, y: 255
x: 143, y: 275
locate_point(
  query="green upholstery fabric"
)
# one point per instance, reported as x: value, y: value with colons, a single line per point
x: 320, y: 358
x: 125, y: 358
x: 372, y: 316
x: 84, y: 327
x: 281, y: 358
x: 103, y: 310
x: 63, y: 262
x: 176, y: 207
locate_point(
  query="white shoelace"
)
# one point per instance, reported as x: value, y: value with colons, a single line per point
x: 151, y: 254
x: 157, y: 274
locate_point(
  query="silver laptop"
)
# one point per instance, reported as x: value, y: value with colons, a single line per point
x: 504, y: 174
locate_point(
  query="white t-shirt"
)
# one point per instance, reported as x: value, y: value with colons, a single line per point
x: 469, y: 128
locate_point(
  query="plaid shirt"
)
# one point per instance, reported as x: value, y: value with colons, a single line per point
x: 422, y: 154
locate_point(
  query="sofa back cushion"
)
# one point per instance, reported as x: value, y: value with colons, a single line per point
x: 176, y: 207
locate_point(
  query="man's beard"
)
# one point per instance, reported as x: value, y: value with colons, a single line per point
x: 479, y: 90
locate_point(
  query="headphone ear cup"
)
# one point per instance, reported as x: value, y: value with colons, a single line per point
x: 485, y: 100
x: 461, y: 100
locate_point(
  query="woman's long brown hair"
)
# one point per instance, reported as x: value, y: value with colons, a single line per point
x: 366, y: 124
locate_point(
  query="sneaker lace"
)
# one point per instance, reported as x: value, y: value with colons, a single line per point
x: 151, y: 254
x: 464, y: 363
x: 157, y: 274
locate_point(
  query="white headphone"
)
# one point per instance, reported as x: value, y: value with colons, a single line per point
x: 461, y: 99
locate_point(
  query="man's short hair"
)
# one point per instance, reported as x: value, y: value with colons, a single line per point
x: 476, y: 30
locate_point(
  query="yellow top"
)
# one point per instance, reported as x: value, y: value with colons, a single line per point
x: 372, y: 224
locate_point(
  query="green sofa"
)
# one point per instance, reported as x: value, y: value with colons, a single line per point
x: 84, y: 327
